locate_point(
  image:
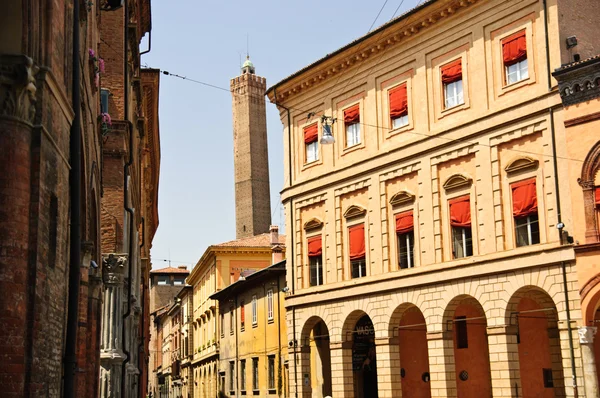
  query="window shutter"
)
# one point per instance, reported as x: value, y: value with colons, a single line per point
x: 460, y: 212
x: 357, y: 241
x: 315, y: 246
x: 311, y: 133
x: 524, y: 198
x: 398, y: 101
x: 242, y: 313
x: 514, y: 48
x: 404, y: 222
x: 452, y: 72
x: 352, y: 115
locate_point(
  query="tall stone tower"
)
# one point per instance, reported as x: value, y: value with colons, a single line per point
x: 252, y: 197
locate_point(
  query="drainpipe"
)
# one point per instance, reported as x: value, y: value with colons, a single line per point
x: 126, y: 205
x: 291, y: 235
x: 141, y: 345
x: 70, y: 359
x: 237, y: 354
x: 279, y: 383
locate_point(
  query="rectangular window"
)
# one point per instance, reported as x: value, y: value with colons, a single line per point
x: 230, y: 320
x: 315, y: 256
x: 460, y: 221
x: 514, y: 56
x: 232, y: 376
x: 254, y: 311
x: 222, y: 324
x: 255, y: 373
x: 398, y: 106
x: 104, y: 94
x: 548, y: 379
x: 163, y: 280
x: 352, y: 125
x: 356, y: 237
x: 271, y: 372
x: 452, y: 81
x: 462, y: 340
x: 270, y: 304
x: 406, y: 239
x: 525, y: 212
x: 311, y: 142
x: 243, y: 375
x: 242, y: 315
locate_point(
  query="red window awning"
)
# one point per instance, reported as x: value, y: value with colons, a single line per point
x: 460, y: 212
x: 452, y: 72
x: 352, y: 114
x: 357, y: 241
x: 311, y: 133
x: 315, y: 246
x: 398, y: 101
x: 404, y: 222
x: 514, y: 48
x: 524, y: 198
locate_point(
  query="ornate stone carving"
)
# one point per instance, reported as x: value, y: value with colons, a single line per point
x: 17, y: 87
x: 113, y: 266
x: 579, y: 81
x: 586, y: 334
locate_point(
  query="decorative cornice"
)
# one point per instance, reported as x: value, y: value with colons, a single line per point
x: 17, y: 87
x: 457, y: 181
x: 579, y: 82
x: 396, y: 33
x: 522, y: 163
x: 355, y: 211
x: 587, y: 334
x: 313, y: 223
x: 402, y: 197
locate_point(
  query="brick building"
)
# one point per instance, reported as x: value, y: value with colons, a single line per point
x: 57, y: 188
x: 442, y: 225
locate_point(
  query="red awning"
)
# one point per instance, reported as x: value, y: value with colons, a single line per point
x: 460, y: 212
x: 398, y: 101
x: 514, y: 48
x: 452, y: 72
x: 311, y: 133
x: 404, y: 222
x: 352, y: 114
x: 524, y: 198
x: 315, y: 246
x: 357, y: 241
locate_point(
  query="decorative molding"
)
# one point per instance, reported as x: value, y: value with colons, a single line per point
x: 523, y: 163
x: 113, y: 266
x: 352, y: 187
x: 587, y: 334
x: 457, y: 181
x: 313, y: 223
x: 310, y: 201
x: 454, y: 154
x: 411, y: 168
x: 401, y: 198
x: 579, y: 82
x: 355, y: 211
x: 514, y: 133
x: 17, y: 87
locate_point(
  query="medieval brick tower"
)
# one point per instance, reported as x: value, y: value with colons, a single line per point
x: 252, y: 200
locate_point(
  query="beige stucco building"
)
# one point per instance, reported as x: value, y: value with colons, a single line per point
x: 436, y: 248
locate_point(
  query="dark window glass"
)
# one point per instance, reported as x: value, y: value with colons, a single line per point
x: 316, y: 270
x: 462, y: 340
x: 462, y: 242
x: 406, y: 244
x: 359, y: 268
x: 255, y: 373
x: 527, y: 230
x: 271, y: 372
x: 548, y: 379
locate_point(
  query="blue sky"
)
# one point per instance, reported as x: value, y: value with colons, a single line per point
x: 203, y: 40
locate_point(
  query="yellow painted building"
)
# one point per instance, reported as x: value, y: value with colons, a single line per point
x: 436, y: 248
x: 219, y: 266
x: 253, y: 338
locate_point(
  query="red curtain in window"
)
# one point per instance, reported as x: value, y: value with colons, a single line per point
x: 311, y: 133
x: 357, y: 241
x: 352, y: 115
x: 452, y: 72
x: 315, y: 247
x: 404, y: 222
x: 398, y: 101
x: 242, y: 313
x: 597, y: 196
x: 524, y: 198
x: 460, y: 212
x: 514, y: 48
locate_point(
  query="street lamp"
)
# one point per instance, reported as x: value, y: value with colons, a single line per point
x: 327, y: 122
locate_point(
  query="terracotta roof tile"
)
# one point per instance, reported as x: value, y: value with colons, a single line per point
x: 262, y: 240
x: 170, y: 270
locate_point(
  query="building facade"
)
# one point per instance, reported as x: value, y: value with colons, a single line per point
x: 436, y: 246
x: 56, y: 138
x: 253, y: 338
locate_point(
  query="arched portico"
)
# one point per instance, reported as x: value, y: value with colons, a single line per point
x: 315, y: 358
x: 359, y: 353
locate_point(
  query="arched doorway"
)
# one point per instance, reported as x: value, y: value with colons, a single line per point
x: 466, y: 320
x: 316, y: 359
x: 540, y: 361
x: 414, y: 356
x: 364, y: 359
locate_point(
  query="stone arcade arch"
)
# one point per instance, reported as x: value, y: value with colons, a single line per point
x: 466, y: 342
x: 360, y: 359
x: 315, y: 358
x: 533, y: 313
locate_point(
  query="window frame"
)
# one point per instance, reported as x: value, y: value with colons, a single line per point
x: 355, y: 127
x: 464, y: 238
x: 315, y: 151
x: 231, y: 320
x: 232, y: 377
x: 353, y: 263
x: 242, y: 315
x: 519, y: 72
x: 254, y: 310
x: 459, y: 96
x: 317, y: 268
x: 243, y: 375
x: 255, y: 374
x: 531, y: 234
x: 410, y: 254
x: 270, y: 314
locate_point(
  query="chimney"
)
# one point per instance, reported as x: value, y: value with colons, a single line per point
x: 183, y: 267
x: 276, y: 250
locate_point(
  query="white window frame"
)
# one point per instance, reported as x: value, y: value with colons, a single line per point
x: 453, y: 94
x: 528, y: 222
x: 254, y: 311
x: 516, y: 72
x: 312, y: 152
x: 400, y: 121
x: 270, y: 304
x: 352, y: 134
x: 361, y: 263
x: 462, y: 230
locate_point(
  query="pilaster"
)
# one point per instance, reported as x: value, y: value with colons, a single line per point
x: 441, y: 364
x: 388, y: 368
x: 590, y: 376
x: 504, y: 361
